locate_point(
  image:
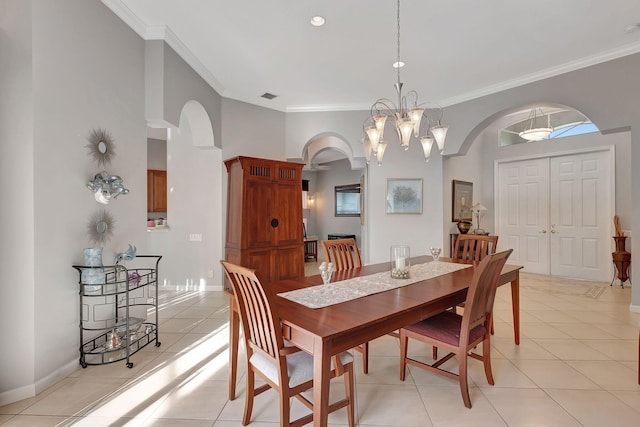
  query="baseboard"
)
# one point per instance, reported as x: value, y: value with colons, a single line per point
x: 11, y: 396
x: 634, y: 308
x: 206, y: 288
x: 30, y: 390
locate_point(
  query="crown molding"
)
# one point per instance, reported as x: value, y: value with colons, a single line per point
x: 578, y: 64
x: 162, y: 32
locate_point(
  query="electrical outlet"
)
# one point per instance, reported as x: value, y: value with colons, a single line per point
x: 195, y: 237
x: 210, y: 274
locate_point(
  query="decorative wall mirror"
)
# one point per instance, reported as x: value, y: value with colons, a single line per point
x: 100, y: 227
x: 347, y: 200
x: 101, y: 146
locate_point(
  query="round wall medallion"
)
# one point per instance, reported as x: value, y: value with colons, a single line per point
x: 101, y: 146
x: 100, y: 227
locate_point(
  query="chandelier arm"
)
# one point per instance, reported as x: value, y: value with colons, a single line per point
x: 384, y: 102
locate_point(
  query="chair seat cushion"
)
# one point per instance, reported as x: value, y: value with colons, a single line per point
x: 299, y: 366
x: 445, y: 327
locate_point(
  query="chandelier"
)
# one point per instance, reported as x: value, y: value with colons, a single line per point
x: 534, y: 132
x: 407, y: 120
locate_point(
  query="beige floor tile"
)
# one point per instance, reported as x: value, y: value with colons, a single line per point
x: 620, y: 350
x: 390, y: 405
x: 527, y: 349
x: 571, y: 349
x: 554, y: 374
x: 541, y: 330
x: 610, y: 375
x: 505, y: 374
x: 193, y: 399
x: 446, y: 408
x: 528, y: 408
x: 36, y: 421
x: 583, y: 331
x: 608, y: 410
x: 179, y: 325
x: 75, y: 397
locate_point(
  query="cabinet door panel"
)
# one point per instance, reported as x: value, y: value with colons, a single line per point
x: 257, y: 212
x: 288, y: 203
x: 288, y: 262
x: 260, y: 261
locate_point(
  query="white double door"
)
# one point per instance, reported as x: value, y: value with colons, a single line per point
x: 556, y: 213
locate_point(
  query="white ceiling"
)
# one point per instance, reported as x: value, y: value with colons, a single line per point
x: 454, y: 50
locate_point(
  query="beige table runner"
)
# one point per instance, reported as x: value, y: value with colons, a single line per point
x: 334, y: 293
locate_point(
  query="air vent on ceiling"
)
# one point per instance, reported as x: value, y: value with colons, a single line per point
x: 268, y: 95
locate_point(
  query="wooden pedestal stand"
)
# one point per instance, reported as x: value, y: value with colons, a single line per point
x: 621, y: 260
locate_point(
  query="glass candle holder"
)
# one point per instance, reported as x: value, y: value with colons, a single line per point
x: 400, y: 258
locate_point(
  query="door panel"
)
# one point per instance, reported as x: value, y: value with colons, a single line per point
x: 580, y: 215
x: 523, y: 207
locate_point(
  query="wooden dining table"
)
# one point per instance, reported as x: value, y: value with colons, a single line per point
x: 324, y: 332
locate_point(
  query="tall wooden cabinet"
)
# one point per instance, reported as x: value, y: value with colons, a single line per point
x: 264, y: 217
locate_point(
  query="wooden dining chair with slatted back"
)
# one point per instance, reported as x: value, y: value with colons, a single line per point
x: 345, y: 254
x: 472, y: 247
x: 460, y: 334
x: 283, y: 367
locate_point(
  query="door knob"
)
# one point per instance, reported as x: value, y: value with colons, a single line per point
x: 542, y: 231
x: 553, y: 231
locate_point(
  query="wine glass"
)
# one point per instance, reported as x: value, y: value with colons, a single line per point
x: 326, y: 270
x: 435, y: 253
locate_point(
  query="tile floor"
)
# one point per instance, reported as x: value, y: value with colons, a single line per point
x: 576, y: 366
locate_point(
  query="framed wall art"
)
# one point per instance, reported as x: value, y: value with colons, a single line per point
x: 404, y: 196
x: 461, y: 200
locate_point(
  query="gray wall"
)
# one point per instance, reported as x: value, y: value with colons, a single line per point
x: 17, y: 293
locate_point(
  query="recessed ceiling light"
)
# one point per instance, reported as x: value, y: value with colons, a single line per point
x: 633, y: 27
x: 317, y: 21
x: 398, y: 64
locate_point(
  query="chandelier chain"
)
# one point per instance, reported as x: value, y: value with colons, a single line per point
x: 398, y: 40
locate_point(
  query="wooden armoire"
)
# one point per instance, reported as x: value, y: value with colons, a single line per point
x: 264, y: 217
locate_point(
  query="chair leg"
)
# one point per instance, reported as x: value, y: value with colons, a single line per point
x: 350, y: 393
x: 248, y: 401
x: 285, y: 408
x: 462, y: 376
x: 404, y: 343
x: 486, y: 359
x: 365, y: 357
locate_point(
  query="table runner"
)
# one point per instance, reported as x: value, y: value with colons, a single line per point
x: 334, y: 293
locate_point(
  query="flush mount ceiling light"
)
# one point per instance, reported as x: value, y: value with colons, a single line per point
x: 317, y: 21
x: 406, y: 120
x: 533, y: 132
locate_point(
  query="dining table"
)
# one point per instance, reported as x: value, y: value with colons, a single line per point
x: 329, y: 330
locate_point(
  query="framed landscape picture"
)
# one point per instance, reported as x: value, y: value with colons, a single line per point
x: 461, y: 201
x: 404, y: 196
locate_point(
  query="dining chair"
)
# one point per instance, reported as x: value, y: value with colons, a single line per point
x: 460, y: 334
x: 474, y: 247
x: 345, y: 254
x: 283, y: 366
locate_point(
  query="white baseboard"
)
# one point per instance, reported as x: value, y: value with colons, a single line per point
x: 30, y: 390
x: 634, y: 308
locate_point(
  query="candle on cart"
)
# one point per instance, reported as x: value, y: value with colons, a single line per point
x: 400, y: 264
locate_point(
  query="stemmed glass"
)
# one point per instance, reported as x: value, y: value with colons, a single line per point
x: 326, y: 270
x: 435, y: 253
